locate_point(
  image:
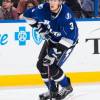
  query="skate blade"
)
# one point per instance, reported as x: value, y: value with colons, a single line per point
x: 54, y: 99
x: 69, y: 96
x: 66, y: 98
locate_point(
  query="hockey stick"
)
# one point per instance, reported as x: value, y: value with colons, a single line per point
x: 49, y: 75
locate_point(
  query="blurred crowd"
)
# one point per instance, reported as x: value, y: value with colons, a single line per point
x: 12, y: 9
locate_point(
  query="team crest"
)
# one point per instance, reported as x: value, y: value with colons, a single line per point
x: 36, y: 36
x: 68, y: 16
x: 40, y: 6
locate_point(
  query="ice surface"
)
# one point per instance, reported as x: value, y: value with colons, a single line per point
x: 81, y: 92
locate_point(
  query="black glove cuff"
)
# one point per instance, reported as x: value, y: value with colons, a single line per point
x: 34, y: 25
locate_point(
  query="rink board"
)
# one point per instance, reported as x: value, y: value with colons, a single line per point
x: 18, y: 59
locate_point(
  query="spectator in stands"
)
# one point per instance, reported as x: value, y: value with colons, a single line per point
x: 7, y: 11
x: 1, y: 2
x: 15, y: 3
x: 22, y: 5
x: 28, y: 5
x: 88, y: 6
x: 75, y: 6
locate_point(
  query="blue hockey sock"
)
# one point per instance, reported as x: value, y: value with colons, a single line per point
x: 52, y: 85
x: 64, y: 82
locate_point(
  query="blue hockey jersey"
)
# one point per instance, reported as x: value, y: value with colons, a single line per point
x: 63, y: 25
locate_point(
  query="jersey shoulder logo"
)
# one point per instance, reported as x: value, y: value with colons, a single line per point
x: 68, y: 16
x: 40, y: 6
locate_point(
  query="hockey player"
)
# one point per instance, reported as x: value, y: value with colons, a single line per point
x: 55, y: 23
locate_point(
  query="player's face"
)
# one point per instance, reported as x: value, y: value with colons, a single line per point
x: 54, y: 5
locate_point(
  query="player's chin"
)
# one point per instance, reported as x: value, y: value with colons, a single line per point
x: 52, y: 10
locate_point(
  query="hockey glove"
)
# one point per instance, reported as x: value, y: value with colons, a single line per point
x: 47, y: 61
x: 43, y: 30
x: 40, y: 27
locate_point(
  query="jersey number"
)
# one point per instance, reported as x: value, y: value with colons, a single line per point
x: 71, y: 26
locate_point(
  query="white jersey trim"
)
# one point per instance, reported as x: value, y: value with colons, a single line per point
x: 67, y: 42
x: 59, y: 79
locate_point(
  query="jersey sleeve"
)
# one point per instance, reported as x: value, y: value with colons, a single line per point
x: 70, y: 30
x: 29, y: 13
x: 36, y: 12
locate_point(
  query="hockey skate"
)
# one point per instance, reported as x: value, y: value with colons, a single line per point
x: 64, y: 92
x: 46, y: 96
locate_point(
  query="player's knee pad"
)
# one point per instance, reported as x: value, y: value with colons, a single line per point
x: 40, y: 66
x: 42, y: 69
